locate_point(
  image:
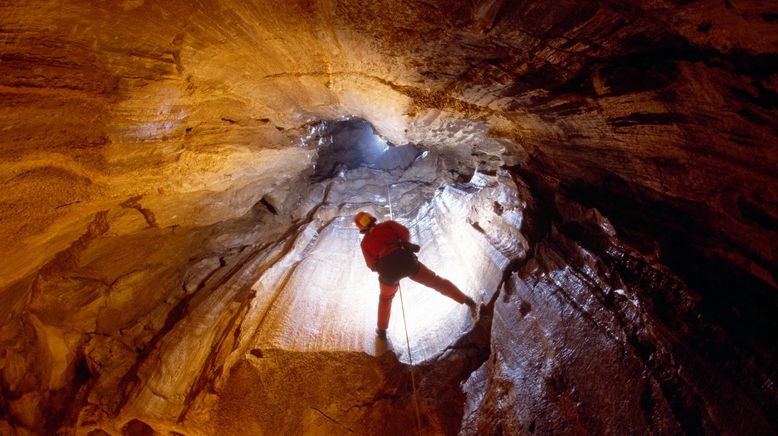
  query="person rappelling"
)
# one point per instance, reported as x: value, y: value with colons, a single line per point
x: 388, y: 251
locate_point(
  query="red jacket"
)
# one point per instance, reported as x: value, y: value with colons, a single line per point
x: 381, y: 240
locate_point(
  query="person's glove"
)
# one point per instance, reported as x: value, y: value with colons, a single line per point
x: 412, y: 247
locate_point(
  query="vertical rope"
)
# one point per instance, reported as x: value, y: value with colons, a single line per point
x: 405, y: 324
x: 410, y: 360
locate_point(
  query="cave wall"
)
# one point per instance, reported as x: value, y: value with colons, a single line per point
x: 589, y: 335
x: 139, y: 136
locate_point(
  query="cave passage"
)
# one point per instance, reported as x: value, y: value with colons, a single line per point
x: 318, y: 294
x: 321, y: 295
x: 178, y: 181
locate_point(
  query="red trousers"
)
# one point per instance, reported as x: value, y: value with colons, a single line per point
x: 426, y: 277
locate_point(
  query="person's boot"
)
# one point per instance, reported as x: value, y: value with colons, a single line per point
x: 472, y: 306
x: 381, y: 333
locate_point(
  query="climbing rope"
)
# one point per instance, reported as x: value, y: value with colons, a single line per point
x: 405, y: 324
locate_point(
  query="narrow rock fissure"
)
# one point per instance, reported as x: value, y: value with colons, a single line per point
x: 334, y: 421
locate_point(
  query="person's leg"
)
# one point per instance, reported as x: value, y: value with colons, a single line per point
x: 428, y: 278
x: 385, y: 304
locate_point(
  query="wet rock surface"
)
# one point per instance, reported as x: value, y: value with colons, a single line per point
x: 583, y: 306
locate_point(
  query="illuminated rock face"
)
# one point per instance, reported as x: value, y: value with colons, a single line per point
x: 161, y: 215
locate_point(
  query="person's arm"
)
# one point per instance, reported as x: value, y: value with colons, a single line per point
x: 404, y: 235
x: 369, y: 258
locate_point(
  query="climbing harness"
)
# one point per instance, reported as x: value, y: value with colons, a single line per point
x: 405, y: 324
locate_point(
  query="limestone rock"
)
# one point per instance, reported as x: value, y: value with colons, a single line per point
x: 605, y: 171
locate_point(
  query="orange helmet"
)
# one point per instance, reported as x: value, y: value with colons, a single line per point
x: 364, y: 221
